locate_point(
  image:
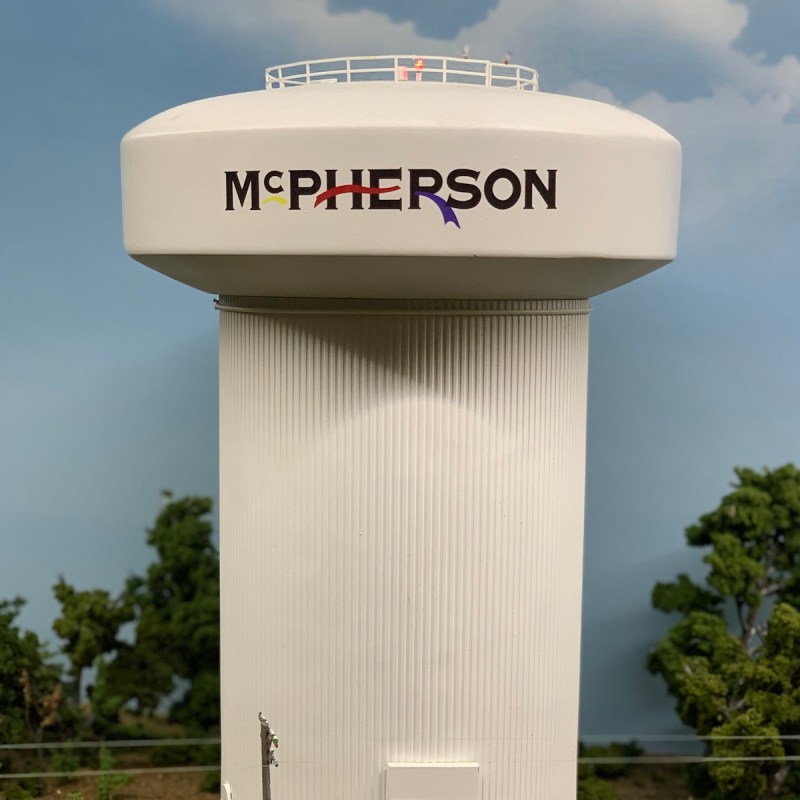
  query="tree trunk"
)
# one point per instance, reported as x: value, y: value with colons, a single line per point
x: 76, y: 688
x: 777, y: 782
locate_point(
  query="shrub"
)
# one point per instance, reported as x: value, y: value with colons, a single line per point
x: 108, y: 782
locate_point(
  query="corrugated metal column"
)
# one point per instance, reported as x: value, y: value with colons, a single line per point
x: 402, y: 491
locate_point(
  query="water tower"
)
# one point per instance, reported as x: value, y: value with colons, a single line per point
x: 403, y: 250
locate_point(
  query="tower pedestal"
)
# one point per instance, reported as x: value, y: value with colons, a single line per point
x: 402, y: 488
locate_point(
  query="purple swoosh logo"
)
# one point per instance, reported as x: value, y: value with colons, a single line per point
x: 448, y: 215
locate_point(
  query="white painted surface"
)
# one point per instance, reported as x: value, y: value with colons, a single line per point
x: 616, y: 185
x: 401, y: 532
x: 432, y: 781
x: 401, y: 480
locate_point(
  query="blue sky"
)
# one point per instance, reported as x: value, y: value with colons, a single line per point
x: 108, y: 377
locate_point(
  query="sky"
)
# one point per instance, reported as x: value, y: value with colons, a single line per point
x: 108, y: 371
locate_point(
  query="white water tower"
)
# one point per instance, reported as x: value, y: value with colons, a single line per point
x: 403, y: 249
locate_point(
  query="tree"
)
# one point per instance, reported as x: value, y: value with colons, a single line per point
x: 612, y: 762
x: 592, y: 788
x: 30, y: 693
x: 89, y: 626
x: 177, y: 611
x: 741, y: 678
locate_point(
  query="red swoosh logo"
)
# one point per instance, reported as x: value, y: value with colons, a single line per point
x: 352, y: 188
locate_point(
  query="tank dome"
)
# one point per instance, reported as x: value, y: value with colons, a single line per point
x: 401, y: 177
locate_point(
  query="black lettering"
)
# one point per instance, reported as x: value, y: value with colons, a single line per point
x: 492, y: 179
x: 298, y: 190
x: 232, y: 183
x: 358, y: 199
x: 416, y: 178
x: 375, y: 178
x: 268, y: 182
x: 456, y: 185
x: 330, y: 183
x: 547, y: 193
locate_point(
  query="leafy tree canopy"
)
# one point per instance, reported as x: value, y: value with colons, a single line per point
x: 177, y: 610
x: 30, y: 695
x: 174, y: 652
x: 89, y: 625
x: 741, y: 679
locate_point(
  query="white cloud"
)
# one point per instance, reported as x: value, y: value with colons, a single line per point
x: 315, y: 32
x: 756, y: 79
x: 705, y: 21
x: 739, y: 138
x: 592, y: 91
x: 717, y: 21
x: 700, y: 29
x: 737, y: 152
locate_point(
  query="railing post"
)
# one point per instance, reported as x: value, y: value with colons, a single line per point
x: 488, y: 73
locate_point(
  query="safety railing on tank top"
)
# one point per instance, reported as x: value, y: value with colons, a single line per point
x: 398, y: 69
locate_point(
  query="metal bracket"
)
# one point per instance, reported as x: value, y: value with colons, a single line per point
x: 269, y: 743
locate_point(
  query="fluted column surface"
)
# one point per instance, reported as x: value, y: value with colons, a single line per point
x: 402, y: 493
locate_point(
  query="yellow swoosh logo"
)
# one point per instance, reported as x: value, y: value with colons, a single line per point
x: 282, y: 200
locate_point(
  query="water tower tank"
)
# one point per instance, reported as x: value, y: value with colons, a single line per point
x: 403, y: 249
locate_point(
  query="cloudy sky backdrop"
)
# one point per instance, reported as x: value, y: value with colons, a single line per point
x: 108, y: 378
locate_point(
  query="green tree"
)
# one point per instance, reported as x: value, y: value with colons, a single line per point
x: 89, y: 626
x: 740, y: 678
x: 30, y: 692
x: 177, y: 609
x: 593, y: 788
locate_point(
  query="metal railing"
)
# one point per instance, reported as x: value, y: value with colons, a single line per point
x: 644, y: 758
x: 399, y: 69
